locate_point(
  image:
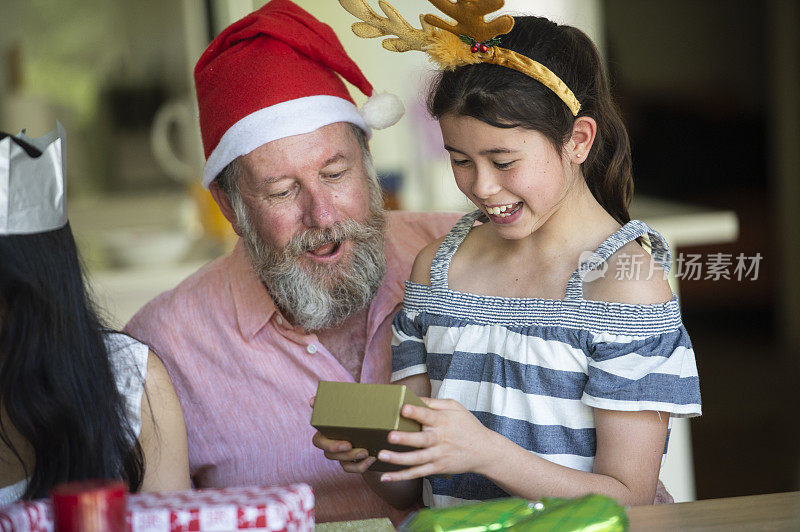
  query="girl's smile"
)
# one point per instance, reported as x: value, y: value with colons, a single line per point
x: 503, y: 214
x: 514, y: 175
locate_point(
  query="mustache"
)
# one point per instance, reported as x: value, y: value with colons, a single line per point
x: 336, y: 234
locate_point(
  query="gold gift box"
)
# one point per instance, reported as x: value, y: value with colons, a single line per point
x: 364, y: 414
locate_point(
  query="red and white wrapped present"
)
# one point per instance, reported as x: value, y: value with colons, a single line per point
x: 284, y: 509
x: 36, y: 516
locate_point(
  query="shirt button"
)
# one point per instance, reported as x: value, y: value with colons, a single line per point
x: 279, y: 320
x: 311, y: 349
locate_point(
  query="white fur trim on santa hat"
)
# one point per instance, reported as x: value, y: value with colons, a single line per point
x: 382, y: 110
x: 293, y: 117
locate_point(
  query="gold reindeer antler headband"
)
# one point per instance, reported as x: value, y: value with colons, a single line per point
x: 470, y: 40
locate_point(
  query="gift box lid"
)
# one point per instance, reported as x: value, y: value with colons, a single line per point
x: 364, y: 414
x: 363, y: 406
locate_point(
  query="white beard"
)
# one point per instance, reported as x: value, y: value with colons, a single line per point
x: 321, y: 296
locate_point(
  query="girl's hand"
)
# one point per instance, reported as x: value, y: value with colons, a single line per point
x: 452, y: 440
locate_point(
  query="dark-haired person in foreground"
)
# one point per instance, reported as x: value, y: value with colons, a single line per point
x: 77, y: 401
x: 309, y: 291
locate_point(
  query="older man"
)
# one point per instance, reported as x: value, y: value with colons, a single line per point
x: 309, y: 291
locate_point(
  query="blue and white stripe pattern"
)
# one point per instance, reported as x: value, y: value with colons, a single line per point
x: 534, y: 369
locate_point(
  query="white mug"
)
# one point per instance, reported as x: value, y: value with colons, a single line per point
x: 181, y: 115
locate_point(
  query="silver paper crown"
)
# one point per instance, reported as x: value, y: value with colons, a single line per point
x: 33, y: 188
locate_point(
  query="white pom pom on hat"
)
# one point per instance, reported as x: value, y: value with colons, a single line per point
x: 382, y: 110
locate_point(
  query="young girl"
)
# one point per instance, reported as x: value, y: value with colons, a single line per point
x: 550, y: 374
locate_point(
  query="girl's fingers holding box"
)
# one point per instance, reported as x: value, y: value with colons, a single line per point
x: 424, y: 438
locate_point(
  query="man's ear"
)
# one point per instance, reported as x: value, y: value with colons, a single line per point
x: 224, y: 203
x: 584, y: 131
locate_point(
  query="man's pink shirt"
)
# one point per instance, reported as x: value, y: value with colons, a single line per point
x: 244, y: 374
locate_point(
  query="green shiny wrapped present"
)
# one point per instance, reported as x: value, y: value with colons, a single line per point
x: 476, y: 517
x: 591, y: 513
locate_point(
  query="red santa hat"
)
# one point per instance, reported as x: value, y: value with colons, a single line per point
x: 274, y: 74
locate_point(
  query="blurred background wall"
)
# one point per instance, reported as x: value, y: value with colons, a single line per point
x: 709, y: 91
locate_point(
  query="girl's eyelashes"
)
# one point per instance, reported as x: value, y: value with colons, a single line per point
x: 498, y: 165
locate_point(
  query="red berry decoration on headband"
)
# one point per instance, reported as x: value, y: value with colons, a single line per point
x: 481, y: 47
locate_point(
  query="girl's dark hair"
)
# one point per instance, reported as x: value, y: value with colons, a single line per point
x: 502, y: 97
x: 56, y: 382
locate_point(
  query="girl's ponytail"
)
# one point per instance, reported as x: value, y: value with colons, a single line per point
x: 608, y: 166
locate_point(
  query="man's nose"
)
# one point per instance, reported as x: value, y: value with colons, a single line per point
x: 485, y: 184
x: 319, y: 209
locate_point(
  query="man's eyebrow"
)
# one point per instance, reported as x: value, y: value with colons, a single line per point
x: 263, y: 184
x: 482, y: 152
x: 268, y: 180
x: 333, y: 159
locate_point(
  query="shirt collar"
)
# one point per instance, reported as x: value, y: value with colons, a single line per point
x: 398, y: 267
x: 392, y: 287
x: 254, y: 305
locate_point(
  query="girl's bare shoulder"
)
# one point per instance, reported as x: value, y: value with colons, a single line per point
x: 632, y: 277
x: 421, y: 270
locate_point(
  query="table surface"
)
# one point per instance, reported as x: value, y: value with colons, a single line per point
x: 776, y: 511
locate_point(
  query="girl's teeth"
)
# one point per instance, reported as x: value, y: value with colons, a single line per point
x: 498, y: 211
